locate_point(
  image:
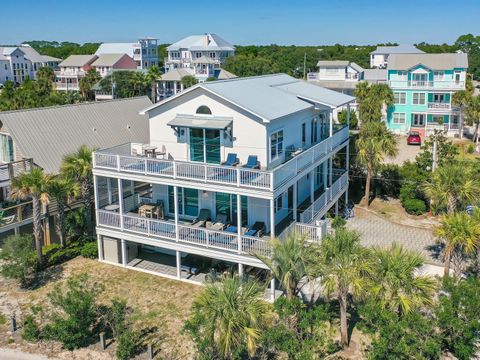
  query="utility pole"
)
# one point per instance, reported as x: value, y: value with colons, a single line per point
x: 305, y: 66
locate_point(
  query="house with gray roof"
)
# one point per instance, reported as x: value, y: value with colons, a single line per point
x: 202, y: 54
x: 379, y: 57
x: 108, y: 62
x: 144, y: 52
x: 229, y: 165
x: 72, y: 70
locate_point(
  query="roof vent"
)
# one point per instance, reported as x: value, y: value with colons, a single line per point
x: 94, y: 129
x: 129, y: 127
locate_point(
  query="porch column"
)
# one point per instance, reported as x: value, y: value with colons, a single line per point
x: 109, y: 190
x: 348, y: 115
x: 312, y: 186
x: 120, y: 202
x: 330, y: 175
x: 295, y: 189
x: 100, y: 247
x: 239, y: 223
x: 181, y: 86
x: 174, y: 87
x: 240, y: 271
x: 272, y: 289
x: 175, y: 200
x: 124, y: 252
x: 95, y: 197
x: 336, y: 208
x: 179, y: 264
x: 324, y: 170
x: 347, y: 167
x: 330, y: 114
x: 272, y: 218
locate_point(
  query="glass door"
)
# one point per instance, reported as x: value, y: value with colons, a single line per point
x: 227, y: 204
x: 187, y: 201
x: 205, y: 145
x: 418, y: 120
x: 420, y: 79
x: 197, y: 150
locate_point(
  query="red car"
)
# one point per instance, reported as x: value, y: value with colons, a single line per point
x: 414, y: 138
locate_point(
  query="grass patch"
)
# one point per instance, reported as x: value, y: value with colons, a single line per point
x: 3, y: 319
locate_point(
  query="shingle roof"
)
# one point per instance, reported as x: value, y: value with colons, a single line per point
x: 399, y: 49
x: 224, y: 75
x: 115, y: 48
x: 108, y: 59
x: 48, y: 134
x: 375, y: 75
x: 202, y: 42
x: 176, y: 74
x: 29, y: 52
x: 78, y: 60
x: 271, y: 96
x: 332, y: 63
x: 432, y: 61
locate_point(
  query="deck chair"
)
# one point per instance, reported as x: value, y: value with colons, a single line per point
x: 202, y: 218
x: 232, y: 160
x: 258, y: 229
x: 219, y: 224
x: 252, y: 162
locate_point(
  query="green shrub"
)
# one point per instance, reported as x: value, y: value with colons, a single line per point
x: 31, y: 330
x: 414, y: 206
x: 389, y: 182
x: 338, y: 222
x: 90, y: 250
x: 55, y: 254
x: 470, y: 149
x: 407, y: 191
x: 18, y: 259
x: 127, y: 343
x: 3, y: 319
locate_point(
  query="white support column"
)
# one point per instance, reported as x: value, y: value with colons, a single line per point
x: 175, y: 199
x: 272, y: 218
x: 120, y: 202
x: 336, y: 208
x: 272, y: 289
x: 240, y: 270
x: 330, y: 114
x: 330, y: 177
x: 109, y: 190
x: 174, y: 87
x: 312, y: 185
x: 348, y: 115
x: 295, y: 205
x: 324, y: 170
x: 239, y: 223
x: 178, y: 257
x: 101, y: 255
x: 95, y: 197
x: 124, y: 252
x: 347, y: 167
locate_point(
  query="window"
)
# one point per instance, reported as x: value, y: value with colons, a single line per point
x: 402, y: 75
x: 314, y: 130
x: 400, y: 98
x: 438, y: 75
x: 198, y: 55
x: 398, y: 118
x: 418, y: 98
x: 304, y: 135
x: 205, y: 145
x: 212, y: 55
x: 418, y: 120
x: 279, y: 203
x: 6, y: 148
x: 204, y: 110
x: 332, y: 70
x: 276, y: 145
x: 187, y: 201
x: 439, y: 98
x: 227, y: 204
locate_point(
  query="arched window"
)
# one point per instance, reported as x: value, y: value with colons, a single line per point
x: 204, y: 110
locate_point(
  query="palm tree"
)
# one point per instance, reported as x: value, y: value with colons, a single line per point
x: 188, y: 80
x: 460, y: 234
x: 153, y: 76
x: 88, y: 81
x: 288, y: 262
x: 344, y: 267
x: 78, y: 166
x: 372, y: 99
x: 451, y: 185
x: 63, y: 190
x: 396, y: 284
x: 230, y: 314
x: 373, y: 144
x: 34, y: 185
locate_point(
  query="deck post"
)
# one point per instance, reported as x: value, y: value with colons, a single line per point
x: 330, y: 114
x: 331, y: 173
x: 175, y: 200
x: 239, y: 222
x: 124, y: 252
x: 272, y: 218
x: 312, y: 186
x: 95, y: 196
x: 179, y: 264
x: 295, y: 215
x: 120, y: 202
x: 109, y: 190
x: 348, y: 115
x: 240, y: 271
x: 324, y: 170
x: 272, y: 289
x: 336, y: 208
x: 100, y: 247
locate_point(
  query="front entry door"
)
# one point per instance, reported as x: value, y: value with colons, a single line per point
x: 205, y: 145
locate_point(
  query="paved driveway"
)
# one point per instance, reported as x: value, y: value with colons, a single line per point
x: 405, y: 152
x: 377, y: 231
x: 11, y: 354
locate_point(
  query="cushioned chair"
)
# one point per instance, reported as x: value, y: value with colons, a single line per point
x: 219, y: 224
x: 232, y: 160
x: 258, y: 229
x: 252, y: 162
x: 203, y: 217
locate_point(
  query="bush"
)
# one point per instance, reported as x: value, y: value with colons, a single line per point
x: 390, y: 181
x: 55, y: 254
x: 338, y: 222
x: 342, y: 118
x: 470, y: 149
x: 127, y: 344
x: 90, y: 250
x: 414, y: 206
x: 18, y: 259
x: 31, y: 330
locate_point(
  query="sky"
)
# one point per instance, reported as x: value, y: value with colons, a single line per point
x: 241, y: 22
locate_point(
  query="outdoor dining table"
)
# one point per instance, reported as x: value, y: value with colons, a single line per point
x: 149, y: 150
x: 112, y: 207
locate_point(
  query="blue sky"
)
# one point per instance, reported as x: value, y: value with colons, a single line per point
x: 286, y: 22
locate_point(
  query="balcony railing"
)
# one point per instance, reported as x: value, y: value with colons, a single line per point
x: 120, y: 159
x: 14, y: 168
x: 439, y: 106
x: 440, y: 84
x: 312, y: 76
x: 15, y: 214
x: 320, y: 205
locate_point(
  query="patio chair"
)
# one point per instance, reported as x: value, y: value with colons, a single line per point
x: 258, y: 229
x: 203, y: 217
x: 252, y: 162
x: 232, y: 160
x: 219, y: 224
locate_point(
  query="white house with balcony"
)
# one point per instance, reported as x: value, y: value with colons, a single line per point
x: 229, y: 165
x: 72, y: 69
x: 144, y: 52
x: 379, y: 56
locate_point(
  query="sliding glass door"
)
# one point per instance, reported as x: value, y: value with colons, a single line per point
x: 205, y: 145
x: 227, y: 204
x: 187, y: 201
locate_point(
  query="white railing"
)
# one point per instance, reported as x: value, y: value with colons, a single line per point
x: 310, y: 156
x: 440, y: 84
x: 187, y: 234
x: 312, y: 76
x: 321, y: 205
x: 441, y: 106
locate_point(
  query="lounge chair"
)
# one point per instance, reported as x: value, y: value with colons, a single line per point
x: 203, y: 217
x: 219, y: 224
x: 232, y: 160
x: 258, y: 229
x: 252, y: 162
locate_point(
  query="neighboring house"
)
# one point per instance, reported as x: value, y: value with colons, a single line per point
x: 423, y: 85
x: 202, y: 55
x: 229, y: 165
x: 144, y: 52
x: 379, y: 57
x: 72, y: 69
x: 42, y: 137
x: 108, y: 62
x: 19, y: 62
x: 171, y: 82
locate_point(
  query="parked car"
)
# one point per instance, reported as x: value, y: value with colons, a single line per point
x: 414, y: 138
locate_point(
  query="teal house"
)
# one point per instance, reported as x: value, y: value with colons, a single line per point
x: 423, y: 86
